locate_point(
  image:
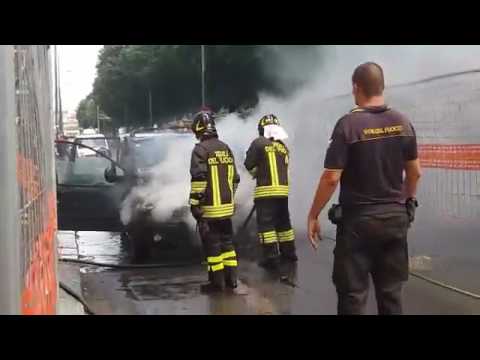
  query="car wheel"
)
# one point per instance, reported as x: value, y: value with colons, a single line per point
x: 140, y: 251
x: 142, y: 245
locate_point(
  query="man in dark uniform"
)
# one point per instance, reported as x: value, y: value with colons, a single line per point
x: 267, y: 161
x: 370, y: 150
x: 213, y: 186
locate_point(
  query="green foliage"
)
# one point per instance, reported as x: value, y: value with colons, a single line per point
x: 126, y: 74
x: 87, y: 113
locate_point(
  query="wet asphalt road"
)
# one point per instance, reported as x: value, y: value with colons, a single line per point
x: 307, y: 290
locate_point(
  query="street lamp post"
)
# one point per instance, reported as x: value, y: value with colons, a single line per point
x: 58, y: 99
x: 203, y: 75
x: 98, y: 120
x: 150, y: 106
x: 56, y: 87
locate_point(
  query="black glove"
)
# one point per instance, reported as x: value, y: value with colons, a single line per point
x: 411, y: 205
x: 196, y: 212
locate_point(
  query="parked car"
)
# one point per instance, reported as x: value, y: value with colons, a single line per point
x: 86, y: 200
x: 139, y: 154
x: 97, y: 142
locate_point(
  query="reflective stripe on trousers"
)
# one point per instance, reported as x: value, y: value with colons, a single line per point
x: 268, y: 237
x: 274, y: 236
x: 215, y: 263
x: 284, y: 236
x: 230, y: 258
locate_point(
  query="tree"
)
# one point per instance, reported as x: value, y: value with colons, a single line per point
x: 127, y: 74
x: 87, y: 113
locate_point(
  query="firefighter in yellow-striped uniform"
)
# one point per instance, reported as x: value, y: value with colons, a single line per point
x: 267, y: 161
x: 214, y: 183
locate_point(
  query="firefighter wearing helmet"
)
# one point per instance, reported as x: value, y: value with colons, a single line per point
x: 267, y: 161
x: 214, y: 181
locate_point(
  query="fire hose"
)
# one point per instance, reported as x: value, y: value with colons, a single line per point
x: 413, y: 273
x: 129, y: 266
x: 435, y: 282
x: 242, y: 228
x: 88, y: 310
x: 155, y: 266
x: 77, y: 297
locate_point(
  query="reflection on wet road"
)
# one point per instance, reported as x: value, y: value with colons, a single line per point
x: 304, y: 289
x: 98, y: 246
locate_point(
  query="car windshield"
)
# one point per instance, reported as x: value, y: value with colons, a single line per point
x: 151, y: 151
x: 93, y: 143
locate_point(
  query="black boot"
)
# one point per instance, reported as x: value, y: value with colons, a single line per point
x: 288, y: 252
x: 270, y: 257
x: 210, y: 288
x: 288, y: 273
x: 231, y: 277
x: 270, y: 263
x: 216, y: 282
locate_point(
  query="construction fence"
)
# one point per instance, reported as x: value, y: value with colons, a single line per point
x: 444, y: 111
x: 27, y: 189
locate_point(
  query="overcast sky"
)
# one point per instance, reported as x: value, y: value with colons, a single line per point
x: 77, y: 72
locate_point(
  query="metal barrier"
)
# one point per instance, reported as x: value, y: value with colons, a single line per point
x: 35, y: 175
x: 444, y: 111
x: 28, y: 222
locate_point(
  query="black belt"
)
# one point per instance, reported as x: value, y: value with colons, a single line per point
x: 373, y: 209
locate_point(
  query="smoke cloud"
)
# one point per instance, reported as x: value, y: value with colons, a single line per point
x: 308, y: 115
x: 168, y: 189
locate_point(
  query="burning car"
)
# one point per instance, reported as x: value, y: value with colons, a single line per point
x: 151, y: 222
x: 132, y: 194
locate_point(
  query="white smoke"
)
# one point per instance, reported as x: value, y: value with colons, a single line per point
x: 168, y: 189
x: 307, y: 116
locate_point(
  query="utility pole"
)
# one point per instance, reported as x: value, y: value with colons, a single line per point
x: 203, y: 75
x: 150, y: 107
x: 98, y: 121
x: 56, y: 88
x: 58, y: 98
x: 60, y: 106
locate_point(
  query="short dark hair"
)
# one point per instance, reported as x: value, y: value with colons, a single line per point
x: 369, y: 77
